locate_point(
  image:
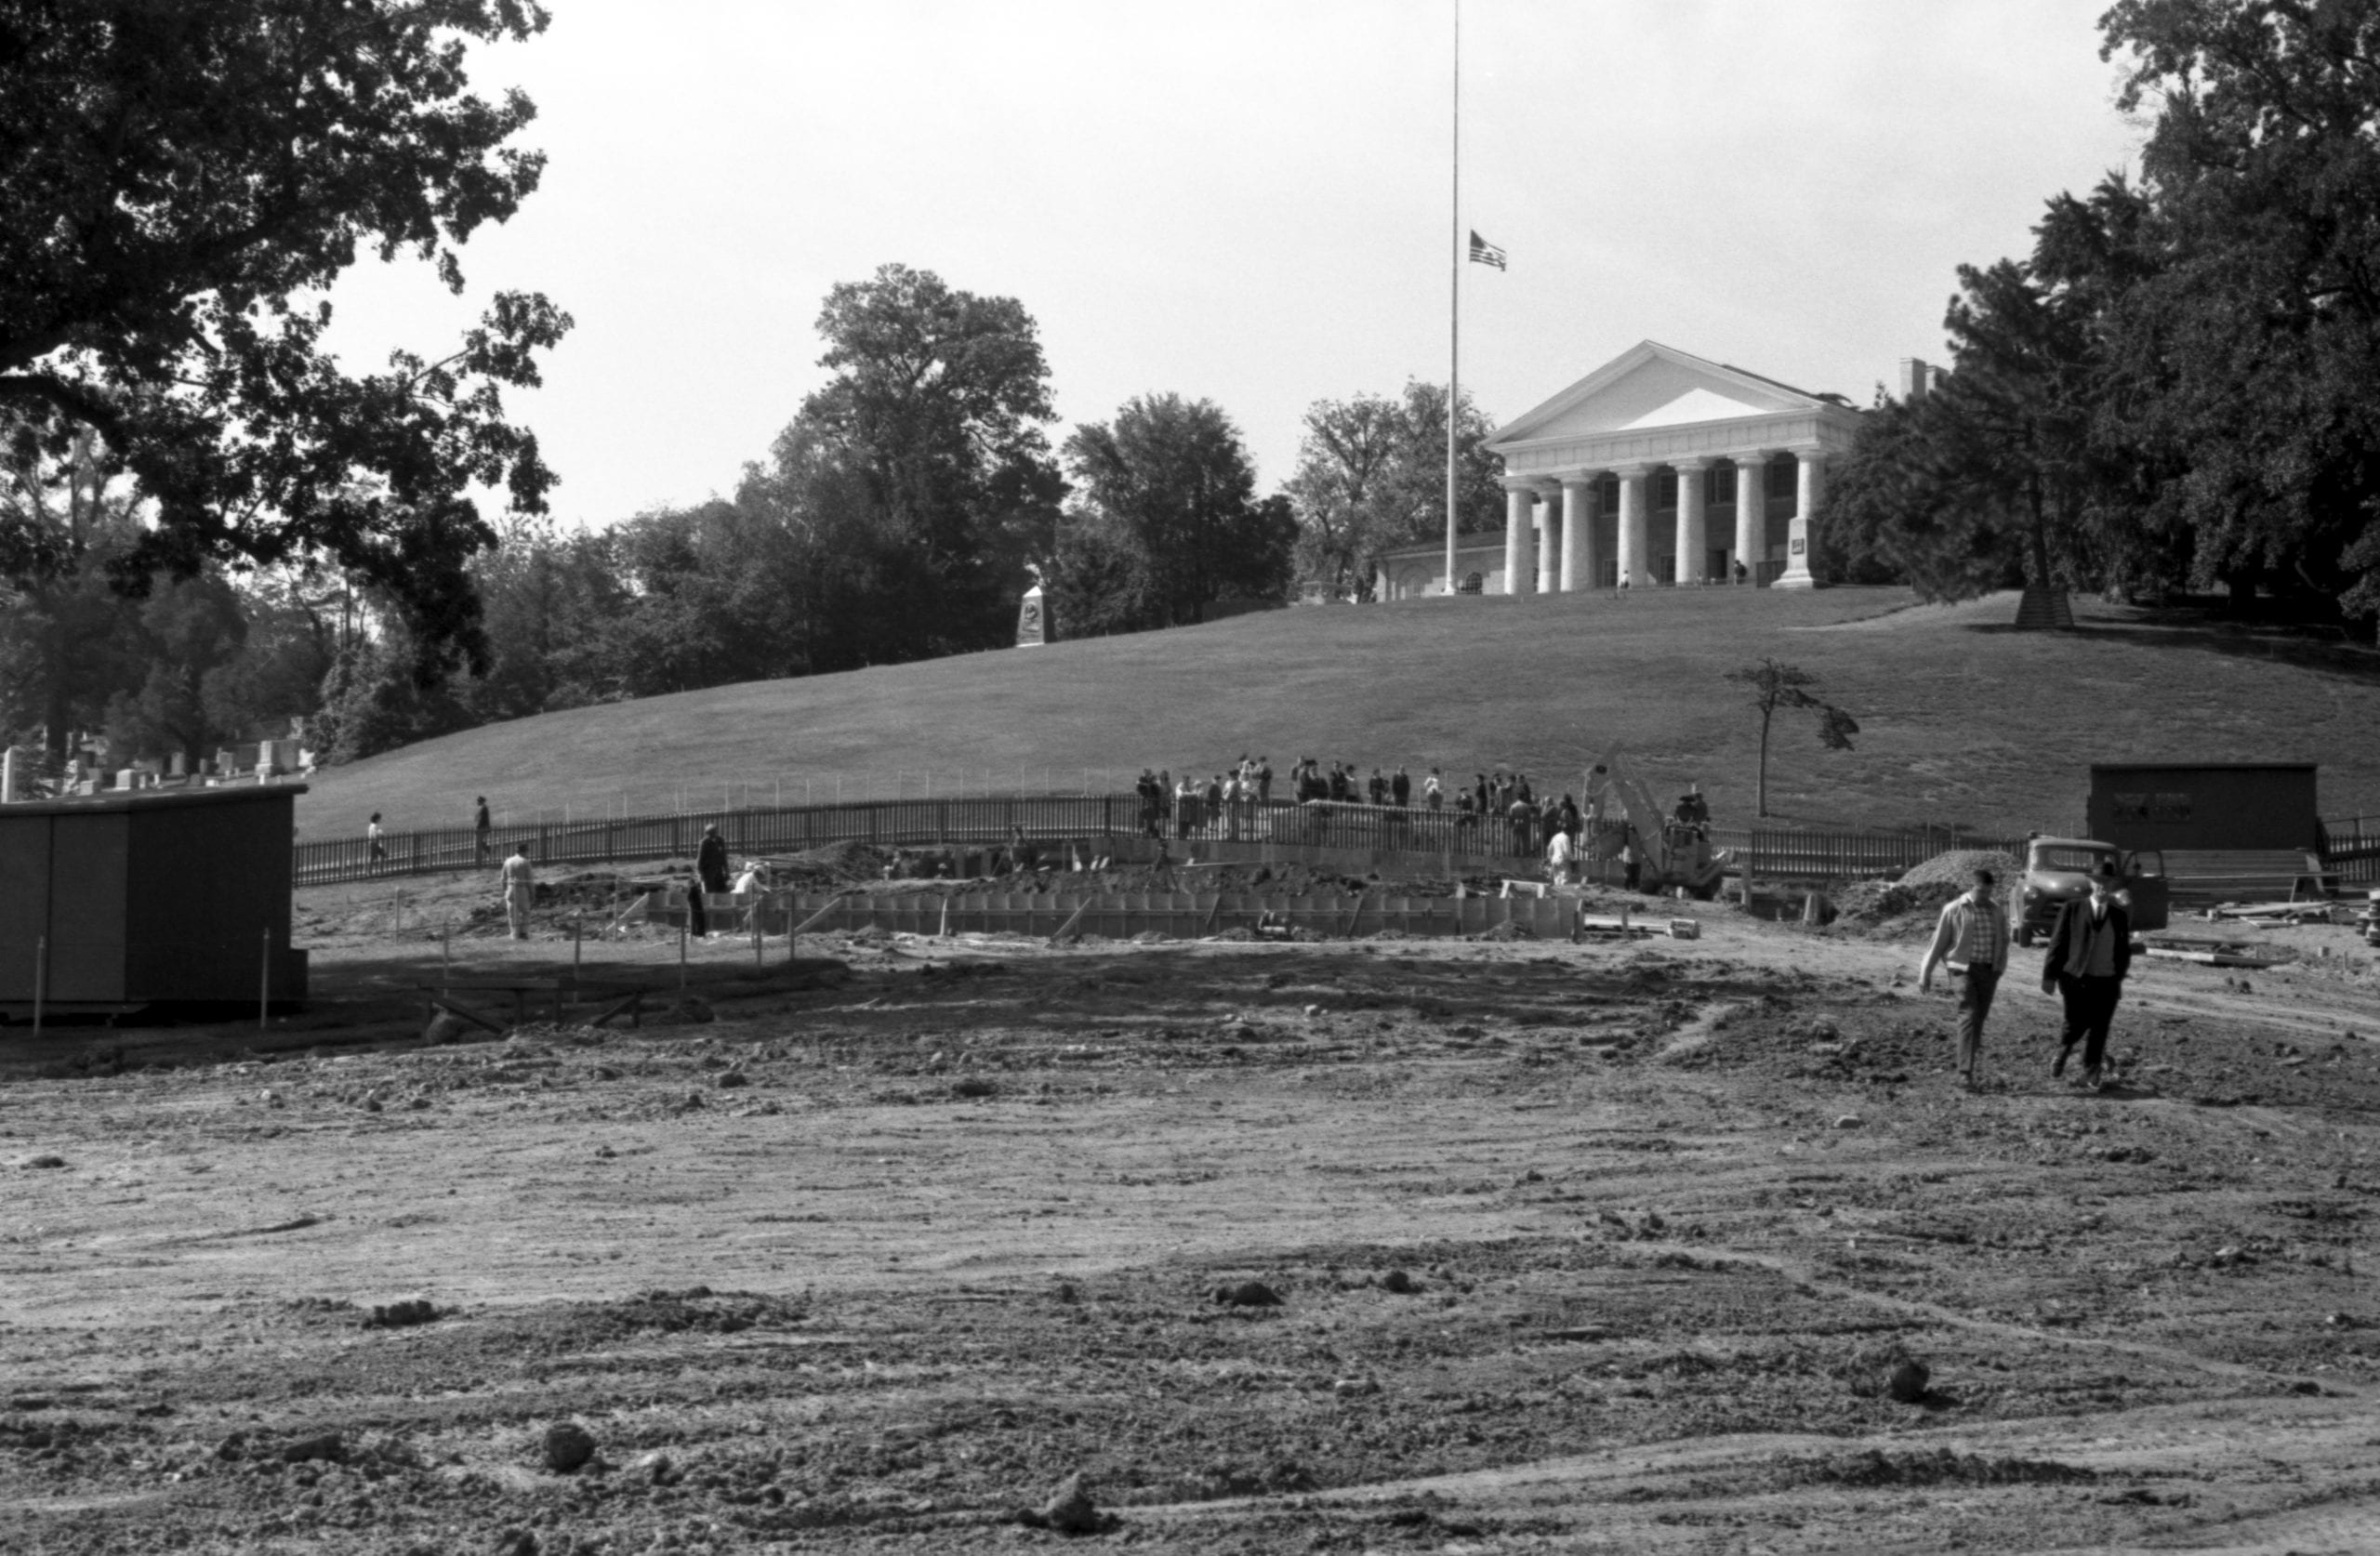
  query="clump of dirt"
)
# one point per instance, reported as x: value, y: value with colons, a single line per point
x: 565, y: 1327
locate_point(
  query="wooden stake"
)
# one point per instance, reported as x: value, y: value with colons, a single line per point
x: 264, y: 981
x: 577, y: 935
x: 681, y: 956
x: 41, y: 978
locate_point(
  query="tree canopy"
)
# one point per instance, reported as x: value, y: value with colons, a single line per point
x: 927, y: 450
x: 1168, y: 521
x: 1371, y: 475
x: 2179, y: 389
x: 178, y: 183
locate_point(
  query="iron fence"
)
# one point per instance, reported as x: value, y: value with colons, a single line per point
x: 1098, y: 822
x: 2351, y: 849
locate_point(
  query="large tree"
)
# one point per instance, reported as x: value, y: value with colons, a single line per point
x: 2005, y: 470
x: 1371, y: 476
x: 68, y: 642
x: 1169, y: 515
x: 178, y: 184
x: 933, y: 421
x: 2246, y: 362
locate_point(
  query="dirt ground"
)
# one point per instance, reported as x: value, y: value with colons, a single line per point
x: 1384, y: 1246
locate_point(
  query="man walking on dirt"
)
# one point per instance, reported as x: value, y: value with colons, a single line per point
x: 2090, y: 952
x: 520, y: 889
x: 1972, y: 941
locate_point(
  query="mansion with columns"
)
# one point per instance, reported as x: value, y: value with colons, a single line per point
x: 1658, y: 467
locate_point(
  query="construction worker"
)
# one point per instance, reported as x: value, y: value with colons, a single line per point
x: 520, y: 889
x: 1692, y: 809
x: 710, y: 859
x: 1558, y: 855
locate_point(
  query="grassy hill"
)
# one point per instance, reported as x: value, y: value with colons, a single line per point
x: 1965, y: 720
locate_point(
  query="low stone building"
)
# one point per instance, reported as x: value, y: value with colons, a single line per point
x: 1659, y: 468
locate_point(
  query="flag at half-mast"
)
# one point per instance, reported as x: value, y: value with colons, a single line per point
x: 1484, y: 253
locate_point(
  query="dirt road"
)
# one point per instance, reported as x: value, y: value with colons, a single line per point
x: 1531, y: 1247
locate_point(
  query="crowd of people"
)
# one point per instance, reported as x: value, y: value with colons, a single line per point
x: 1225, y: 804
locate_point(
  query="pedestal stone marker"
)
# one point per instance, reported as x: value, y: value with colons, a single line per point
x: 1033, y: 624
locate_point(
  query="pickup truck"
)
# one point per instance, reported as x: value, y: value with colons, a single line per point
x: 2059, y: 869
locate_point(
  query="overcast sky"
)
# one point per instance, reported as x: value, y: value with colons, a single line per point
x: 1248, y: 202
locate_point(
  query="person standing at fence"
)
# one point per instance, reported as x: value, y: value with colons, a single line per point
x: 1264, y: 779
x: 1522, y: 817
x: 479, y: 829
x: 1376, y: 788
x: 2090, y: 952
x: 1213, y: 809
x: 375, y: 848
x: 710, y: 859
x: 1972, y: 941
x: 520, y: 891
x: 1152, y: 802
x: 1400, y: 789
x: 1433, y: 791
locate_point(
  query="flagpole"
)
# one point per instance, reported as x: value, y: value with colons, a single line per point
x: 1454, y: 332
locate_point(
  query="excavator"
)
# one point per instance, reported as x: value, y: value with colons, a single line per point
x: 1673, y: 855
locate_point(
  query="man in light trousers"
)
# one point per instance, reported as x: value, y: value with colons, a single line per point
x: 1972, y: 940
x: 520, y: 891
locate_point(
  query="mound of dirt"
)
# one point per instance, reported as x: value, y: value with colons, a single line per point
x: 1907, y: 908
x: 1889, y: 910
x: 1956, y: 869
x: 830, y: 865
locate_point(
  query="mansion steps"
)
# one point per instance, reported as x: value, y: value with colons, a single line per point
x: 1658, y: 468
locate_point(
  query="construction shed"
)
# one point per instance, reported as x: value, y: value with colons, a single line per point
x: 118, y: 902
x: 2205, y: 804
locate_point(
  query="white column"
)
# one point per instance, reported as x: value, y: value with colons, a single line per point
x: 1578, y: 532
x: 1549, y: 537
x: 1807, y: 492
x: 1632, y: 572
x: 1751, y: 513
x: 1691, y: 522
x: 1518, y: 500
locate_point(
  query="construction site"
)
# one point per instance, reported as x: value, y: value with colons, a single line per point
x: 997, y: 1190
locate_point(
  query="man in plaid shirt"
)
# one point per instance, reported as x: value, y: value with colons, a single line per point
x: 1972, y: 940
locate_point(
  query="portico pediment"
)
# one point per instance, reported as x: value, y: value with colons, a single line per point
x: 1652, y: 385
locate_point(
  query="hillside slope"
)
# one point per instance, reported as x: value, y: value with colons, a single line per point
x: 1965, y: 721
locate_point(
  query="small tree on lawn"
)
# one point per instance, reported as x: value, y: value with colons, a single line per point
x: 1775, y: 686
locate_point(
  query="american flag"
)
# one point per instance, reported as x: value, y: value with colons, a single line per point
x: 1484, y: 253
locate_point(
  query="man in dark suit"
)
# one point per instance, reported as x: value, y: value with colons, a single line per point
x: 2090, y: 951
